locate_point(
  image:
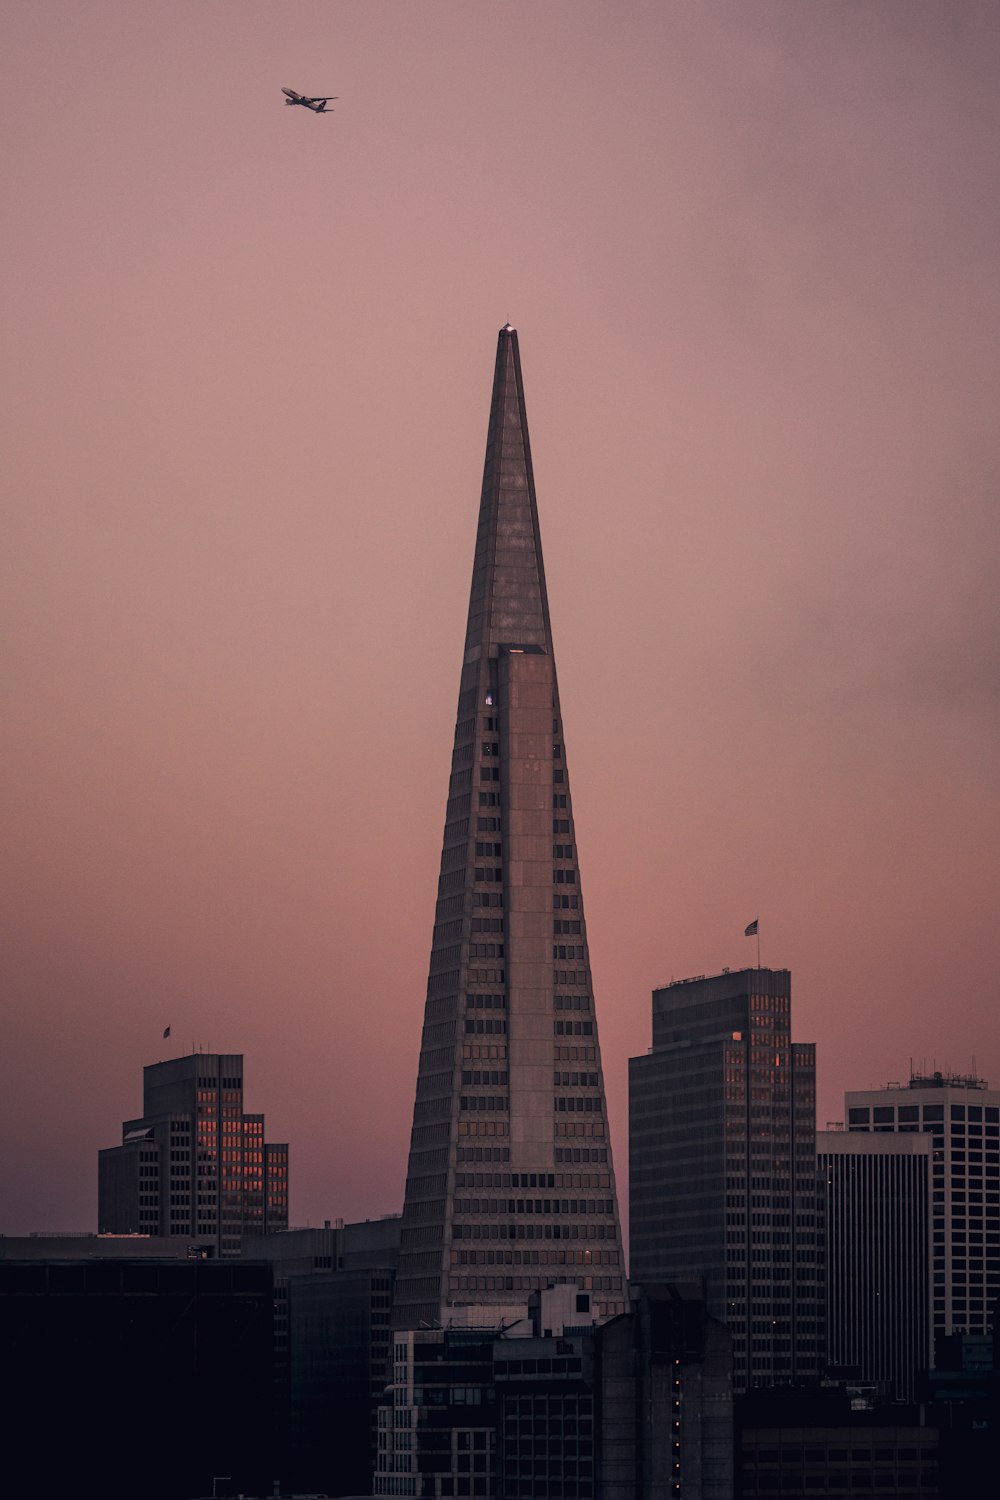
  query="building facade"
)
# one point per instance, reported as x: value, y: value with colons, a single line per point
x: 194, y: 1164
x: 961, y: 1114
x: 837, y: 1444
x: 510, y: 1183
x: 332, y: 1345
x: 722, y: 1151
x: 560, y: 1407
x: 877, y: 1241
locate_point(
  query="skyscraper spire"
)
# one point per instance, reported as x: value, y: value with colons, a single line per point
x: 510, y: 1183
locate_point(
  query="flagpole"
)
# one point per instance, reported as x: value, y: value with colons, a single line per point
x: 758, y: 942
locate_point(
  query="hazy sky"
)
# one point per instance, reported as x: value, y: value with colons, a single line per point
x: 751, y: 253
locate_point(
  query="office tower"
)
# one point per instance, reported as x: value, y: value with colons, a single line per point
x: 194, y: 1164
x: 722, y: 1151
x: 962, y: 1116
x: 877, y: 1241
x: 510, y: 1184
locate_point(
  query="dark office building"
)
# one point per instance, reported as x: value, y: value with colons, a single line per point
x: 332, y: 1299
x: 130, y: 1378
x: 510, y: 1183
x: 877, y: 1240
x: 194, y: 1165
x: 963, y: 1396
x: 836, y: 1445
x: 722, y: 1149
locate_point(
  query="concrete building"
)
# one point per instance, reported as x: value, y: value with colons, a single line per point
x: 332, y: 1345
x: 877, y: 1240
x: 560, y: 1407
x: 194, y: 1165
x: 510, y: 1184
x: 961, y: 1114
x: 722, y: 1150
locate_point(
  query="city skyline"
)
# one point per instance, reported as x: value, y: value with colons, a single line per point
x: 750, y: 258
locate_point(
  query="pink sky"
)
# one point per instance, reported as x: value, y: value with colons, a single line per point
x: 751, y: 252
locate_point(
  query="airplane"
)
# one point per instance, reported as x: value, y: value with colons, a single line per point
x: 318, y: 104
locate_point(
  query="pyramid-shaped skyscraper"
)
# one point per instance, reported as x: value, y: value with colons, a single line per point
x: 510, y: 1185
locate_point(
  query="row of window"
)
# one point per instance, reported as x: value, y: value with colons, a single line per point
x: 535, y: 1258
x: 534, y: 1232
x: 884, y: 1114
x: 534, y: 1205
x: 532, y: 1180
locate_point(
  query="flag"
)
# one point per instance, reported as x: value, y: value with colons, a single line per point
x: 751, y: 931
x: 166, y: 1033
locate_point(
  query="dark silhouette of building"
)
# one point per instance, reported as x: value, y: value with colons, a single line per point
x: 962, y: 1116
x: 510, y: 1183
x: 332, y: 1299
x: 194, y: 1165
x: 129, y: 1378
x: 838, y: 1443
x: 963, y: 1396
x: 722, y: 1149
x: 877, y: 1241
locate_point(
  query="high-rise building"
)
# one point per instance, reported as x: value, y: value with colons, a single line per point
x: 510, y: 1183
x: 722, y: 1152
x: 877, y: 1242
x: 194, y: 1164
x: 962, y: 1116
